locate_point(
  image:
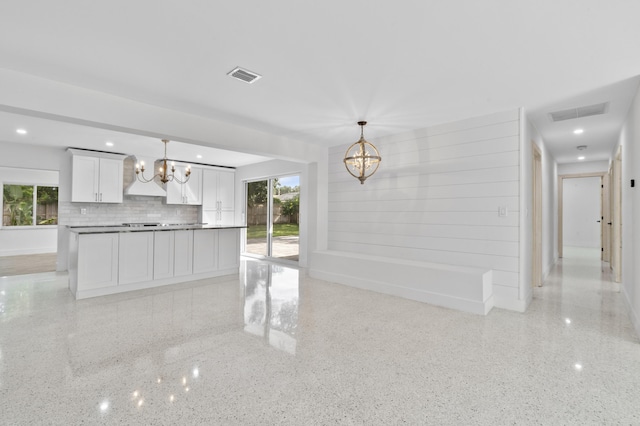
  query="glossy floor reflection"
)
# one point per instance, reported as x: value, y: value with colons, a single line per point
x: 273, y: 347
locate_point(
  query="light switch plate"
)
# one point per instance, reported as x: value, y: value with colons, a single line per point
x: 502, y: 211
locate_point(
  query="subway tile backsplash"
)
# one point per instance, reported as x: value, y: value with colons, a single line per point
x: 133, y: 209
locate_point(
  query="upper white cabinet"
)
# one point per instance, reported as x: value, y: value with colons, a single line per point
x: 96, y: 177
x: 188, y: 193
x: 218, y: 197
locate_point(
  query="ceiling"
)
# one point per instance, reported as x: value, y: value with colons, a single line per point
x: 325, y: 65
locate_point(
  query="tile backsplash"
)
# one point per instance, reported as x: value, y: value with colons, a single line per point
x: 134, y: 208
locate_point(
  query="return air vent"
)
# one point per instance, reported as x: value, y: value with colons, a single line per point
x: 244, y: 75
x: 585, y: 111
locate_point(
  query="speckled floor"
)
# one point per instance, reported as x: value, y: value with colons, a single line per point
x: 202, y: 353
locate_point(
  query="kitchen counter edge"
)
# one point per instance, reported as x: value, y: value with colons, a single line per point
x: 119, y: 229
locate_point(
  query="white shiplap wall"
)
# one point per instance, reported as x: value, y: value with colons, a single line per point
x: 435, y: 198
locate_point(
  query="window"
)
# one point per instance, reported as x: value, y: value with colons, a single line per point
x: 18, y: 203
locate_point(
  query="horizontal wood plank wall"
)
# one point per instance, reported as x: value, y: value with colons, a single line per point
x: 435, y: 198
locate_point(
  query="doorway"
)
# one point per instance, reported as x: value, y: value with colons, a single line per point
x: 581, y: 212
x: 273, y: 218
x: 536, y: 279
x: 616, y: 217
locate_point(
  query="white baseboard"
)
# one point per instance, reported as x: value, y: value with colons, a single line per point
x: 633, y: 315
x: 28, y: 251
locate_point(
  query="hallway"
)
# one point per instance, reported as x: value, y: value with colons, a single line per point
x: 272, y: 346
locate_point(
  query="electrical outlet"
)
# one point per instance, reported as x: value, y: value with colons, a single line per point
x: 83, y: 211
x: 502, y: 211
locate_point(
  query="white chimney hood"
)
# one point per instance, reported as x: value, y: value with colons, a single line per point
x: 151, y: 189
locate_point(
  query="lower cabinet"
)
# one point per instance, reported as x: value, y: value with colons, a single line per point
x: 172, y: 254
x: 205, y: 251
x: 97, y: 262
x: 183, y: 259
x: 163, y: 254
x: 106, y: 263
x: 135, y: 257
x: 229, y: 253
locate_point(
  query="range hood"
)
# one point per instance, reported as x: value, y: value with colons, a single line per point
x: 150, y: 189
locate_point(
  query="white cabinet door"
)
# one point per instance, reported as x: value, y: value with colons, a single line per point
x: 183, y: 257
x: 193, y: 188
x: 135, y: 257
x: 205, y: 250
x: 226, y: 190
x: 218, y: 189
x: 174, y: 193
x: 163, y: 254
x: 209, y: 189
x: 85, y: 172
x: 97, y: 261
x: 226, y: 218
x: 96, y: 179
x: 110, y: 181
x: 188, y: 193
x: 229, y: 249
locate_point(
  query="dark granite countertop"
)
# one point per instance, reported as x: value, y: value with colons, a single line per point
x: 106, y: 229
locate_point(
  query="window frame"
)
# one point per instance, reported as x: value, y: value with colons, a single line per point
x: 34, y: 209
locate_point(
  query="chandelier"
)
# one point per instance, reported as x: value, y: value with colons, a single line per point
x: 362, y: 158
x: 162, y: 171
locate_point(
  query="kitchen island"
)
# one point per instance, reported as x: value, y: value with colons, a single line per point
x: 113, y: 259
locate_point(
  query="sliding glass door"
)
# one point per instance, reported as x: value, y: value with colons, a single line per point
x: 273, y: 218
x: 257, y: 218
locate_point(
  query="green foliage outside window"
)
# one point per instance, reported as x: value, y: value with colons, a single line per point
x: 18, y: 205
x: 291, y: 208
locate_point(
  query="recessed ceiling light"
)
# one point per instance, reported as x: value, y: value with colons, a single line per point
x: 578, y: 131
x: 109, y: 143
x: 21, y: 131
x: 581, y: 157
x: 199, y: 156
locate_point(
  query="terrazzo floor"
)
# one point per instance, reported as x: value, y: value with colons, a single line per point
x: 203, y: 353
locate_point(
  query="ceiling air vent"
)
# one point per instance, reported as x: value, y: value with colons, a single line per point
x: 244, y: 75
x: 585, y: 111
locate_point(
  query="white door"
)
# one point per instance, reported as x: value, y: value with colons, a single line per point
x: 582, y: 212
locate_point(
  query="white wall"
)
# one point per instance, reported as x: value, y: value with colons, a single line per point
x: 583, y: 167
x: 630, y: 143
x: 549, y: 202
x: 581, y: 209
x: 435, y: 199
x: 20, y: 164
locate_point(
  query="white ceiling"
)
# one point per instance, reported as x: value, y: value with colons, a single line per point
x: 326, y: 65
